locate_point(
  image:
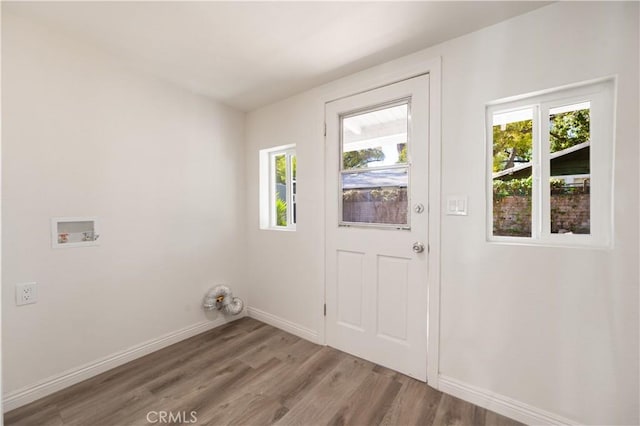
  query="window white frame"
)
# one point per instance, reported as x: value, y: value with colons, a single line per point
x: 601, y: 95
x: 268, y: 214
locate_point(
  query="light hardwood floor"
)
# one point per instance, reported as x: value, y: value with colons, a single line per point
x: 249, y: 373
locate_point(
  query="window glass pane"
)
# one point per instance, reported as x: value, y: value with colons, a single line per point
x: 569, y: 143
x: 376, y: 197
x: 375, y: 138
x: 280, y: 166
x: 512, y: 180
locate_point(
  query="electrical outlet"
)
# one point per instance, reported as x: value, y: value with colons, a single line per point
x: 26, y: 293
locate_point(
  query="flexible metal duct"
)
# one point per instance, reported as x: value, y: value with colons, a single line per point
x: 220, y: 298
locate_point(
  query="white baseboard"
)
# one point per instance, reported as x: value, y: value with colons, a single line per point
x: 70, y: 377
x: 284, y: 324
x: 501, y: 404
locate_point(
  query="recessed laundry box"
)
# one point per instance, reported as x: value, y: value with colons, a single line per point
x: 69, y: 232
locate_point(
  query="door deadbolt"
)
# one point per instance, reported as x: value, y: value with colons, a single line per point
x: 418, y: 208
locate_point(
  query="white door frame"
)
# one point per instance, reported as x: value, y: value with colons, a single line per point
x: 383, y: 75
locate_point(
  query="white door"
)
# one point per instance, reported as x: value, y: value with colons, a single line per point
x: 376, y: 225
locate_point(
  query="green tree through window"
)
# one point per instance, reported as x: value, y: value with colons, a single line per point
x: 358, y: 159
x: 511, y: 144
x: 568, y: 129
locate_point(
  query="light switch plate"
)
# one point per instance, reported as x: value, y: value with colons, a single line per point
x: 456, y: 205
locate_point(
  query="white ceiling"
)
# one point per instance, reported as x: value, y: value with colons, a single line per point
x: 249, y: 54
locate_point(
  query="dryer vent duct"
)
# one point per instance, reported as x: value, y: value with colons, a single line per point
x: 220, y: 298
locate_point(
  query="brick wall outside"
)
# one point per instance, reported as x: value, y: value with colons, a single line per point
x: 512, y: 216
x: 569, y: 213
x: 375, y: 206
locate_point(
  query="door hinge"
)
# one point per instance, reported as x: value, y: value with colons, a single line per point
x: 325, y: 129
x: 428, y: 248
x: 325, y: 309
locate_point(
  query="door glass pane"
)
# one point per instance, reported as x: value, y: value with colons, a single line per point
x: 512, y: 179
x: 375, y: 166
x: 569, y: 143
x: 375, y: 138
x: 376, y: 196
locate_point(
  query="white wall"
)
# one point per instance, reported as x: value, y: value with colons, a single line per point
x: 555, y: 329
x: 286, y: 269
x: 160, y: 167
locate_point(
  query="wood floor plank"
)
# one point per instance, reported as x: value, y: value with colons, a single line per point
x: 208, y: 399
x: 456, y: 412
x: 299, y: 352
x: 388, y: 372
x: 271, y: 347
x: 207, y: 362
x: 43, y: 416
x: 18, y: 415
x: 415, y: 404
x: 369, y: 403
x: 249, y: 409
x: 186, y: 396
x: 238, y: 406
x: 320, y: 405
x: 495, y: 419
x: 103, y: 414
x: 291, y: 388
x: 273, y: 389
x: 198, y: 390
x: 249, y: 373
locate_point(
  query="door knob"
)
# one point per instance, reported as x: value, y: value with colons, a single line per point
x: 418, y: 247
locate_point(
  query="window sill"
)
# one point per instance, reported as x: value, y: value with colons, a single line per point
x: 550, y: 243
x: 279, y: 228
